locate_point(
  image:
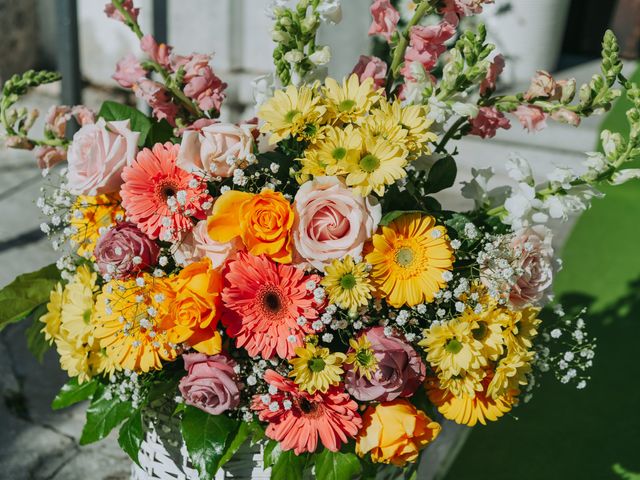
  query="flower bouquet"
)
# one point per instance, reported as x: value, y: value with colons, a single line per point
x: 288, y: 288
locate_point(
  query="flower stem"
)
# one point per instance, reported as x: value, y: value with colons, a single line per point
x: 450, y: 133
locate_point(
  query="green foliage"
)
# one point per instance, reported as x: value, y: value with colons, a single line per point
x: 239, y: 437
x: 336, y: 465
x: 206, y: 438
x: 442, y: 175
x: 105, y: 412
x: 26, y: 293
x: 625, y: 474
x: 151, y: 132
x: 289, y: 466
x: 131, y: 435
x: 388, y: 218
x: 36, y: 340
x: 271, y: 453
x: 73, y: 392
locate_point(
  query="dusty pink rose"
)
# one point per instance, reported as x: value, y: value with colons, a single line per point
x: 542, y: 86
x: 158, y: 52
x: 331, y: 221
x: 533, y: 119
x: 197, y: 244
x: 371, y: 67
x: 201, y: 84
x: 98, y: 154
x: 426, y: 44
x: 49, y: 156
x: 399, y: 374
x: 124, y: 251
x: 488, y: 121
x: 158, y: 99
x: 211, y: 383
x: 496, y: 68
x: 565, y: 115
x: 385, y: 19
x: 129, y: 71
x: 534, y: 259
x: 465, y: 8
x: 215, y: 149
x: 112, y: 11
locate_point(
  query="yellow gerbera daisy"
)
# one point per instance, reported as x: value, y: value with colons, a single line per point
x: 294, y: 112
x: 351, y: 100
x: 336, y: 145
x: 409, y: 259
x: 519, y: 327
x: 361, y: 356
x: 510, y: 373
x: 129, y: 323
x: 315, y: 368
x: 413, y: 120
x: 378, y: 165
x: 347, y: 284
x: 51, y: 319
x: 91, y: 214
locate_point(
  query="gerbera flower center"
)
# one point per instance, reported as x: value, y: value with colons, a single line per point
x: 307, y: 407
x: 369, y: 163
x: 346, y: 105
x: 348, y: 281
x: 272, y: 301
x: 316, y: 364
x: 290, y: 115
x: 365, y: 358
x: 339, y: 153
x: 453, y: 346
x: 86, y: 316
x: 167, y: 189
x: 404, y: 257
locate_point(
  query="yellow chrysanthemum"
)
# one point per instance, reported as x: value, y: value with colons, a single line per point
x: 91, y: 214
x: 378, y: 165
x: 487, y: 330
x: 316, y: 368
x: 409, y: 259
x: 380, y: 125
x: 128, y: 318
x: 414, y: 121
x: 466, y: 383
x: 294, y: 112
x: 78, y: 305
x: 361, y: 356
x: 51, y: 319
x: 450, y: 346
x: 347, y: 284
x: 519, y: 327
x: 349, y: 101
x: 510, y: 373
x: 469, y: 410
x: 336, y: 145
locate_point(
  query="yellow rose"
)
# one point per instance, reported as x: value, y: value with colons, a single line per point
x: 395, y: 432
x: 194, y: 308
x: 263, y: 221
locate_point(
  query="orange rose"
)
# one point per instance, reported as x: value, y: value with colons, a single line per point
x: 395, y: 432
x: 263, y: 221
x: 194, y: 308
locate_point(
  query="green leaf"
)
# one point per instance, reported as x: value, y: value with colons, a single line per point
x: 25, y: 293
x: 389, y: 217
x: 272, y: 451
x: 105, y: 413
x: 289, y: 466
x: 337, y: 466
x: 432, y: 204
x: 442, y: 175
x: 206, y: 437
x: 243, y: 433
x: 160, y: 132
x: 73, y: 392
x: 131, y: 435
x: 36, y: 340
x: 138, y: 121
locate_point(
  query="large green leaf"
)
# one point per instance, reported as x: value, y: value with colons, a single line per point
x: 246, y: 430
x: 389, y: 217
x: 131, y: 435
x: 73, y: 392
x: 105, y: 413
x: 160, y: 132
x: 36, y: 340
x: 25, y: 293
x: 206, y: 437
x: 271, y: 453
x: 442, y: 175
x: 289, y: 466
x: 337, y: 466
x: 138, y: 121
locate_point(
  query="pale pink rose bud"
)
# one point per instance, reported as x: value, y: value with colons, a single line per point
x: 56, y: 120
x: 371, y: 67
x: 113, y: 12
x: 159, y: 53
x: 534, y: 258
x: 496, y: 68
x: 488, y: 121
x: 124, y: 251
x: 542, y: 86
x: 211, y: 383
x: 533, y: 119
x: 331, y: 221
x: 197, y: 244
x: 129, y: 71
x: 49, y: 156
x: 564, y: 115
x: 158, y: 99
x: 385, y: 19
x: 400, y: 370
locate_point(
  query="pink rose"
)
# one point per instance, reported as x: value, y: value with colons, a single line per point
x: 542, y: 86
x: 124, y: 251
x: 400, y: 370
x: 48, y: 156
x: 112, y: 11
x: 197, y: 244
x: 534, y: 262
x: 496, y: 68
x: 215, y: 149
x: 129, y: 71
x: 331, y: 221
x: 532, y: 118
x: 98, y: 154
x: 158, y: 99
x: 385, y: 19
x: 159, y: 53
x: 371, y: 67
x: 488, y: 121
x: 426, y: 44
x: 211, y: 383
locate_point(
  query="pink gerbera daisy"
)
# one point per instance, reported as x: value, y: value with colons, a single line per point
x: 161, y: 198
x: 297, y: 418
x: 270, y: 306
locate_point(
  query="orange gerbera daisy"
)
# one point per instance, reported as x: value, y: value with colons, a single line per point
x: 270, y: 307
x: 161, y: 198
x: 297, y: 418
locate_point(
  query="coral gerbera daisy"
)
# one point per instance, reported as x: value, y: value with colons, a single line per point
x: 351, y: 100
x: 347, y: 284
x: 160, y: 197
x: 297, y: 418
x: 316, y: 368
x: 90, y: 216
x: 270, y: 307
x: 410, y: 258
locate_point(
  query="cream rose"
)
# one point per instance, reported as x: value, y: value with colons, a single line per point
x: 534, y: 257
x: 197, y: 244
x: 215, y: 149
x: 98, y: 154
x: 331, y: 221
